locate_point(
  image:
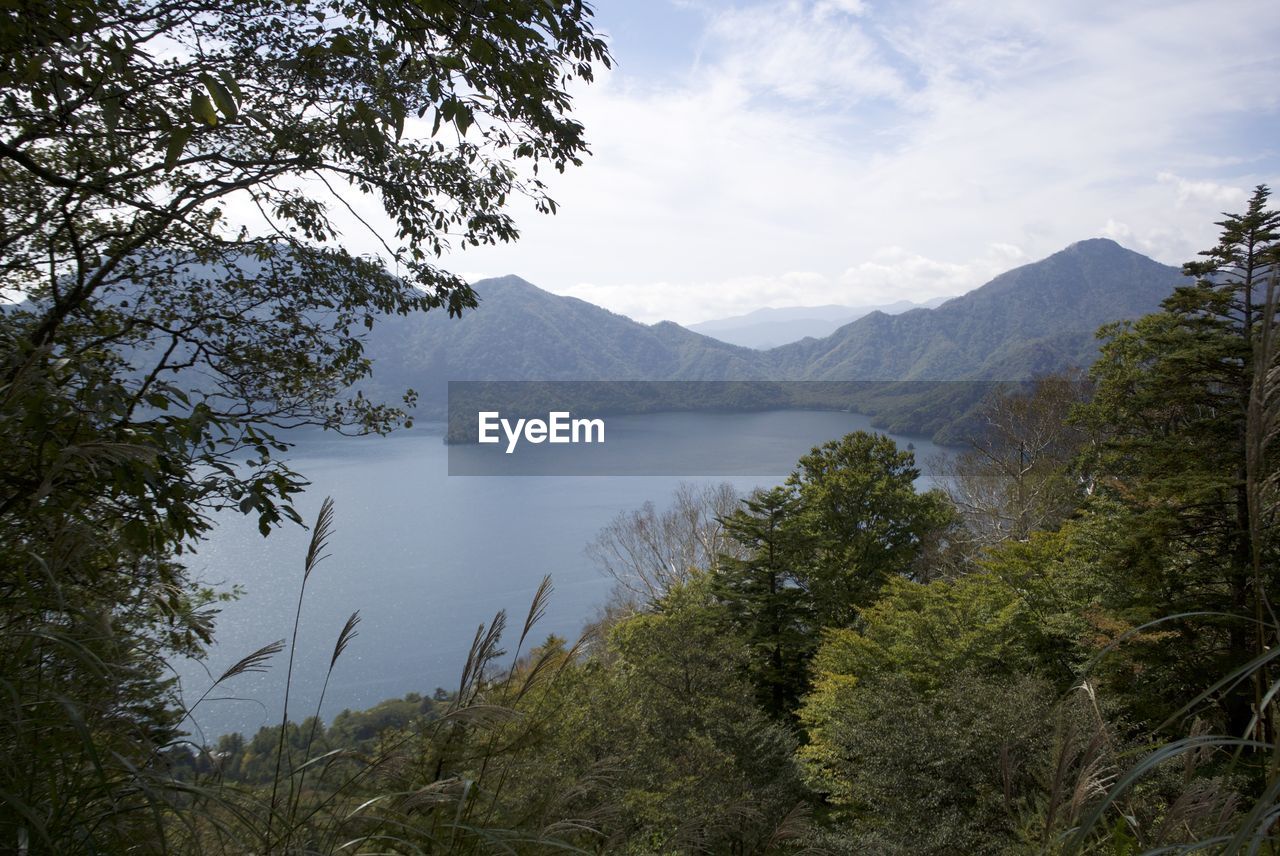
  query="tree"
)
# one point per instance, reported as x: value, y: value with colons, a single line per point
x: 763, y: 600
x: 931, y: 724
x: 817, y: 550
x: 1016, y: 476
x: 1172, y: 403
x: 950, y: 771
x: 163, y: 334
x: 859, y: 522
x: 130, y: 131
x: 662, y: 741
x: 647, y: 552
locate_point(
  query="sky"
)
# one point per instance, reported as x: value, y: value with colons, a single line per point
x: 807, y: 152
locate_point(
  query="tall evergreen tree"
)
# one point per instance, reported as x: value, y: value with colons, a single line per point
x: 1172, y: 405
x: 764, y: 601
x: 819, y: 548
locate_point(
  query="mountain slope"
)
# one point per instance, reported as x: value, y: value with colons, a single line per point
x: 521, y: 332
x: 1032, y: 320
x: 769, y: 328
x: 1035, y: 318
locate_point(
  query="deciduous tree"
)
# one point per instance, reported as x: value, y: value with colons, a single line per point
x: 859, y: 521
x: 176, y: 180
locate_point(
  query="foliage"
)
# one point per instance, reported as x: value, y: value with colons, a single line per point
x: 1172, y: 403
x: 662, y: 742
x: 936, y: 713
x: 859, y: 522
x: 653, y: 744
x: 174, y: 179
x: 946, y: 771
x: 762, y: 600
x: 1222, y: 334
x: 817, y: 550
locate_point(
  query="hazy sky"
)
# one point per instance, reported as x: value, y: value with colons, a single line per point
x: 838, y: 151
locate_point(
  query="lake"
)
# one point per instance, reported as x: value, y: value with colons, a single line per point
x: 426, y: 557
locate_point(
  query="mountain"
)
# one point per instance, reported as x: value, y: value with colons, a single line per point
x: 521, y: 332
x: 771, y: 327
x: 1031, y: 320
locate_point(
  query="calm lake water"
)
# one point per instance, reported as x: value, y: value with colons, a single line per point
x: 426, y: 557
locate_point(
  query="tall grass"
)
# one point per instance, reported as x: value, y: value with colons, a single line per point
x: 433, y: 787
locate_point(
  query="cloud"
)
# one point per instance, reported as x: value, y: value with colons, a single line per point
x: 803, y: 52
x: 892, y: 274
x: 1200, y: 192
x: 827, y: 8
x: 887, y: 149
x: 895, y: 270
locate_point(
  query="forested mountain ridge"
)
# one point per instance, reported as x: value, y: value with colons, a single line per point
x: 1032, y: 320
x: 526, y: 333
x: 1035, y: 318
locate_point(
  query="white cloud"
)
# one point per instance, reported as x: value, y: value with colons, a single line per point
x: 804, y: 52
x: 1199, y: 192
x: 893, y: 274
x: 810, y: 135
x: 826, y: 8
x: 1117, y: 231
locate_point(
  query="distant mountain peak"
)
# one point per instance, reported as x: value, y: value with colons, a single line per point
x: 1100, y: 248
x: 771, y: 327
x: 509, y: 280
x: 996, y: 331
x: 1094, y: 243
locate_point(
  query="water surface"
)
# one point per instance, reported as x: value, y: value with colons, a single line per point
x: 426, y: 557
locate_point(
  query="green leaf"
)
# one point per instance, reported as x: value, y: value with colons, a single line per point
x: 221, y: 97
x: 33, y: 70
x: 396, y: 108
x: 136, y: 533
x: 177, y: 141
x: 340, y: 45
x: 232, y: 86
x: 111, y: 112
x: 202, y: 109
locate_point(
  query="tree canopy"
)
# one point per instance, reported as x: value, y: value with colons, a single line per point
x: 179, y: 184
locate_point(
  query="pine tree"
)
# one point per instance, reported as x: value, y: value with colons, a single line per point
x: 819, y: 549
x: 1172, y: 406
x: 764, y: 601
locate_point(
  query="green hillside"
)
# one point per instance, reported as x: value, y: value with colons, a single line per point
x: 1030, y: 321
